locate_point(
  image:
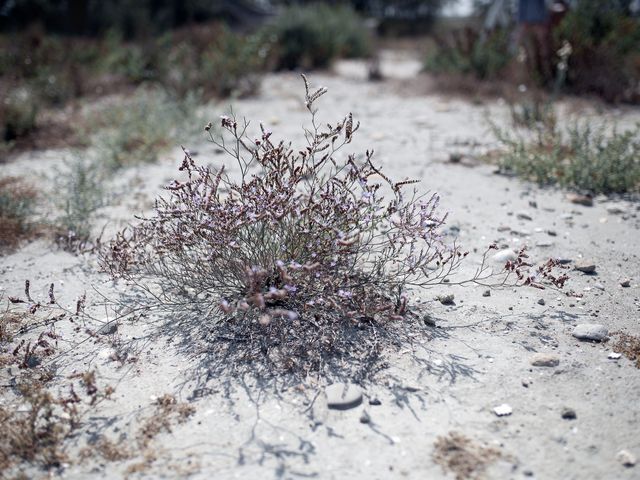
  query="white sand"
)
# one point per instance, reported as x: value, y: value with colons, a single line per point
x: 476, y: 361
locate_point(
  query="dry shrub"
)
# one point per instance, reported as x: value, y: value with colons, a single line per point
x: 35, y: 422
x: 462, y: 457
x: 36, y: 433
x: 168, y: 411
x: 298, y: 260
x: 16, y: 206
x: 628, y: 345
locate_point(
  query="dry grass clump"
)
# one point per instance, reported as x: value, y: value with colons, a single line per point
x: 462, y: 457
x: 16, y: 206
x: 301, y: 260
x: 628, y: 345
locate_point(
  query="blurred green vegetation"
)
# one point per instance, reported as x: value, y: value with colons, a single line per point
x: 312, y: 36
x: 40, y: 70
x: 604, y: 57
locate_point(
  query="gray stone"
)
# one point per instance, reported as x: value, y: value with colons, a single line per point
x: 524, y: 216
x: 375, y: 402
x: 108, y: 328
x: 544, y: 360
x: 504, y: 256
x: 541, y: 301
x: 544, y: 244
x: 343, y: 396
x: 590, y: 331
x: 625, y: 283
x: 486, y: 293
x: 585, y: 266
x: 568, y: 413
x: 616, y: 210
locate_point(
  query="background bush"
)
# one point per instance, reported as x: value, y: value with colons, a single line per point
x: 606, y: 50
x: 465, y: 52
x: 312, y: 36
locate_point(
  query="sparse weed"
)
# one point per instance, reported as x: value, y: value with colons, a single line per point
x: 16, y: 207
x: 585, y: 158
x: 466, y: 52
x: 137, y: 130
x: 80, y: 194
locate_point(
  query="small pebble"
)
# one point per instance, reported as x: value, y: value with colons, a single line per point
x: 568, y: 413
x: 614, y: 356
x: 486, y: 293
x: 524, y: 216
x: 626, y: 458
x: 365, y: 418
x: 503, y: 410
x: 580, y: 199
x: 544, y: 360
x: 505, y: 255
x: 375, y: 402
x: 541, y: 301
x: 625, y: 283
x: 446, y: 299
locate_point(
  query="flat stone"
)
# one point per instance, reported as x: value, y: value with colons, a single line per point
x: 375, y: 402
x: 505, y: 255
x: 568, y: 413
x: 626, y: 458
x: 590, y: 331
x: 544, y: 360
x: 585, y: 266
x: 580, y: 199
x: 614, y: 356
x: 625, y: 283
x: 343, y: 396
x: 524, y: 216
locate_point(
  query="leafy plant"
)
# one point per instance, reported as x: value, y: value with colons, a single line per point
x: 296, y: 258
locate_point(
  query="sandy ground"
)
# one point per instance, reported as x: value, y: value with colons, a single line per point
x: 477, y: 359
